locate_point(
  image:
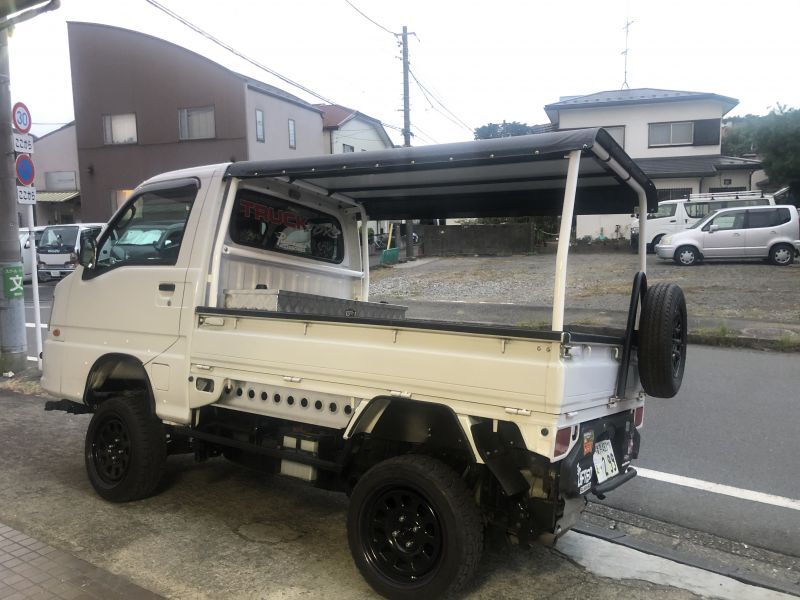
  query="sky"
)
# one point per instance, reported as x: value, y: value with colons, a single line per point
x: 480, y: 62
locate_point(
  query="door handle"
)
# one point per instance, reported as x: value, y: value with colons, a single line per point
x: 673, y: 221
x: 166, y: 287
x: 737, y: 235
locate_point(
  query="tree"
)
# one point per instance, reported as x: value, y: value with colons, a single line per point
x: 504, y: 129
x: 739, y: 138
x: 778, y: 141
x: 501, y: 130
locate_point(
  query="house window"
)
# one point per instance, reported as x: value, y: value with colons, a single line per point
x: 259, y: 125
x: 119, y: 129
x: 348, y: 148
x: 618, y: 133
x: 196, y: 123
x: 673, y: 193
x: 292, y: 137
x: 671, y: 134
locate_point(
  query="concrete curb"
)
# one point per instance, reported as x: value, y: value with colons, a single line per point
x: 623, y: 539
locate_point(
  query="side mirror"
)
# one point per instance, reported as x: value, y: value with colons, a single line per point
x: 88, y: 253
x: 713, y: 228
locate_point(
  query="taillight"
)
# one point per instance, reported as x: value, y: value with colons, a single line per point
x: 562, y: 440
x: 638, y: 416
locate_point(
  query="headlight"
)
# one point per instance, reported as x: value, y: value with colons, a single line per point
x: 666, y: 240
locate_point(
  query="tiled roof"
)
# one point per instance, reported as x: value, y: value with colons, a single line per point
x: 634, y: 96
x: 336, y: 115
x: 693, y: 166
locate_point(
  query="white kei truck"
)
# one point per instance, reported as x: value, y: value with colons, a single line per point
x: 224, y: 311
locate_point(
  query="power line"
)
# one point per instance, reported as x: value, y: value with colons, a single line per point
x: 253, y: 62
x: 233, y: 50
x: 428, y: 95
x: 355, y: 8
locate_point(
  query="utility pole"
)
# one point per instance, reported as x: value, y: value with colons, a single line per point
x: 406, y: 103
x: 13, y: 337
x: 407, y: 137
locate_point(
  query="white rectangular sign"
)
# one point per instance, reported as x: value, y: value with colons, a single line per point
x: 26, y: 194
x: 23, y: 143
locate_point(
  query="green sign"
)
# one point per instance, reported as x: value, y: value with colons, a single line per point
x: 12, y: 282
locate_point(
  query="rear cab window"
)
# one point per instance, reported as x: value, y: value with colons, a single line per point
x: 266, y: 222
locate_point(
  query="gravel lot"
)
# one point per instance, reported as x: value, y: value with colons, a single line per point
x: 730, y: 290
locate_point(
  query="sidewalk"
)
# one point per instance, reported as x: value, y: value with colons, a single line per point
x: 32, y: 569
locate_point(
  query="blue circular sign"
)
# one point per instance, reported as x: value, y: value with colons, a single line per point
x: 25, y: 171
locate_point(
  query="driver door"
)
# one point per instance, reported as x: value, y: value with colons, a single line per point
x: 130, y: 301
x: 727, y: 238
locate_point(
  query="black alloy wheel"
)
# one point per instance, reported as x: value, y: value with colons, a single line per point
x: 414, y: 529
x: 402, y: 536
x: 125, y: 449
x: 111, y: 449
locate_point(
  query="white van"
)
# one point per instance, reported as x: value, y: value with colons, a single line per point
x: 24, y: 248
x: 59, y: 247
x: 673, y: 216
x: 766, y: 232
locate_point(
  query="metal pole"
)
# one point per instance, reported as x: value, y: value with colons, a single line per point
x: 13, y: 343
x: 563, y: 239
x: 37, y: 314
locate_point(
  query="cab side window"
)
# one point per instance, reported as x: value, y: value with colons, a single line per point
x: 730, y: 220
x: 149, y: 230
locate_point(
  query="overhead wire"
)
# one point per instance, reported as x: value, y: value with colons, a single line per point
x: 429, y: 94
x: 355, y: 8
x: 246, y: 58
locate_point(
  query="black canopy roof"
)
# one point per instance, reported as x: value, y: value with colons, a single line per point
x: 516, y: 176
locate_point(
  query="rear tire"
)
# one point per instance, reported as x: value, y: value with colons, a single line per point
x: 781, y: 255
x: 414, y: 529
x: 125, y: 451
x: 662, y: 340
x: 686, y: 256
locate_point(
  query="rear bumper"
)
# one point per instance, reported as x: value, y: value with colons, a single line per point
x: 578, y: 475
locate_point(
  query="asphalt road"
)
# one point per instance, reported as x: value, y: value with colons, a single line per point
x: 734, y: 422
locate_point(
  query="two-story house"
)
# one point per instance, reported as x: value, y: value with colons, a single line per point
x: 144, y: 106
x: 673, y: 135
x: 348, y: 130
x: 56, y: 181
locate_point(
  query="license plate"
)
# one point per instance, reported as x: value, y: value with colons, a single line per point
x: 605, y: 464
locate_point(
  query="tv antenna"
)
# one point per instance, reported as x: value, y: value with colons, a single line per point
x: 627, y: 28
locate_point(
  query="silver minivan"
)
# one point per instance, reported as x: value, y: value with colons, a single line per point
x: 767, y: 232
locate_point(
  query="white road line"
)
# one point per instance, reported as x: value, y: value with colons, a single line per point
x: 718, y: 488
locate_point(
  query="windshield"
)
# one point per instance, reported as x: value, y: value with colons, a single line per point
x: 63, y: 238
x: 664, y: 210
x: 702, y: 222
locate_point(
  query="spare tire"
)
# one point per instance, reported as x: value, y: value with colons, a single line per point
x: 662, y: 340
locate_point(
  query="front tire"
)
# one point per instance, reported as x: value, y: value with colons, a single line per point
x: 125, y: 450
x: 687, y: 256
x: 781, y: 255
x: 413, y: 528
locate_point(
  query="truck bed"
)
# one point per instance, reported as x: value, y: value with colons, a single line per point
x: 481, y: 370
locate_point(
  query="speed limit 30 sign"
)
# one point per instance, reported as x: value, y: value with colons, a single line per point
x: 22, y: 117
